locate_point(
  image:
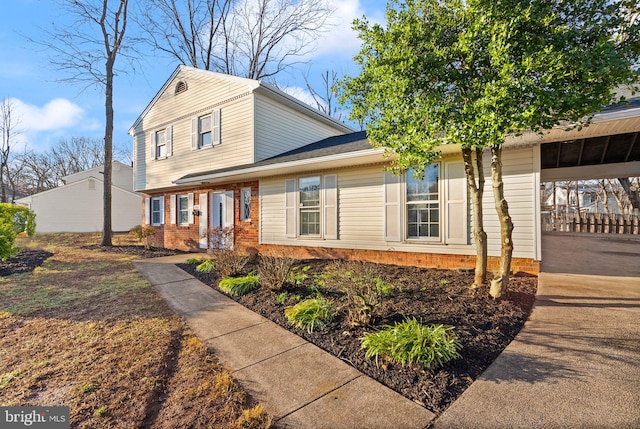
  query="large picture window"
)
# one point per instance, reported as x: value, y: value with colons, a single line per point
x: 309, y: 188
x: 423, y: 204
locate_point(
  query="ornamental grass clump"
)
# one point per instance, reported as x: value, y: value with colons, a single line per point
x: 311, y: 314
x: 238, y: 286
x: 412, y: 342
x: 206, y: 266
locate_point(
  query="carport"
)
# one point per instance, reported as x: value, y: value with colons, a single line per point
x: 607, y: 149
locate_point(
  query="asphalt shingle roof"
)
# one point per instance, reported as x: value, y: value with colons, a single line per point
x: 345, y: 143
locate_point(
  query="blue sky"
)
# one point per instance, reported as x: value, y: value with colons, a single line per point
x: 49, y: 110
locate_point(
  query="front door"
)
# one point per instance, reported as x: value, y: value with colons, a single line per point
x: 222, y: 220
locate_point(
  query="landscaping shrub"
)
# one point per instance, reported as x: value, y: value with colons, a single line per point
x: 274, y: 271
x: 14, y: 220
x: 412, y: 342
x: 206, y: 266
x: 230, y: 262
x: 298, y: 275
x: 363, y: 290
x: 194, y: 261
x: 311, y: 314
x: 143, y: 234
x: 238, y: 286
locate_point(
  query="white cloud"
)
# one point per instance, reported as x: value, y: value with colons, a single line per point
x: 55, y: 115
x: 301, y: 94
x: 340, y: 41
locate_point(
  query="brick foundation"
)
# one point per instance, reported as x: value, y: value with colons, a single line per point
x: 426, y: 260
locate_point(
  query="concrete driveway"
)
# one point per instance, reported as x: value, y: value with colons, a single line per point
x: 576, y: 362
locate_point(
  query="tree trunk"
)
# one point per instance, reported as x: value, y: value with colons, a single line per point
x: 501, y: 282
x: 633, y: 194
x: 108, y: 155
x: 479, y: 235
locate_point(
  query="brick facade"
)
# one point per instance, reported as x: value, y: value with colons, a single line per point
x: 187, y: 237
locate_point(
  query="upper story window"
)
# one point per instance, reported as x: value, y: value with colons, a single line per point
x: 161, y: 144
x: 423, y: 203
x: 245, y: 204
x: 205, y: 130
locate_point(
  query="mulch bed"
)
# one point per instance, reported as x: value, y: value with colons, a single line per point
x: 153, y: 252
x: 24, y: 261
x: 485, y: 326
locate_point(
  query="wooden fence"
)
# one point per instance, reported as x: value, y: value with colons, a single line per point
x: 594, y: 223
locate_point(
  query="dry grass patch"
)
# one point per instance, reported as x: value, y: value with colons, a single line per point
x: 87, y: 331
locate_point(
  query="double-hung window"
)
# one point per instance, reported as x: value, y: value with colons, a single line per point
x: 423, y: 204
x: 205, y: 130
x: 156, y: 210
x: 309, y: 188
x: 183, y: 210
x: 161, y: 144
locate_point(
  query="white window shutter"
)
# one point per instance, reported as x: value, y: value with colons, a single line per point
x: 203, y: 227
x: 392, y: 207
x: 455, y: 203
x: 152, y: 146
x: 229, y: 216
x: 215, y: 127
x: 147, y: 211
x: 194, y: 133
x: 190, y: 208
x: 172, y: 210
x: 162, y: 210
x: 290, y: 208
x: 331, y: 207
x: 169, y: 139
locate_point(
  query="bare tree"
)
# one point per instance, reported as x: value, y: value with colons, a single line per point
x: 88, y: 50
x: 9, y: 130
x: 188, y: 31
x: 326, y: 99
x: 631, y: 187
x: 256, y: 39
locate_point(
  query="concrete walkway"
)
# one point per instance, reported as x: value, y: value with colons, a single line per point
x: 576, y: 362
x: 299, y: 384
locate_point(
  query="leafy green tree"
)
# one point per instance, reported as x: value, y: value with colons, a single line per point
x: 474, y: 72
x: 14, y: 220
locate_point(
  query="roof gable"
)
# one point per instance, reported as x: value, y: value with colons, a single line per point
x: 182, y: 73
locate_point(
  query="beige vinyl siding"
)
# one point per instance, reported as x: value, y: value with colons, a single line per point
x: 361, y: 211
x: 78, y: 207
x: 204, y: 94
x: 279, y: 128
x: 519, y: 189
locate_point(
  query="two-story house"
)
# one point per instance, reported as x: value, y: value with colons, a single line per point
x: 214, y: 151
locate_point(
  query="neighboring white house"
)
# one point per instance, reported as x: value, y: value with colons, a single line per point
x: 216, y: 151
x: 77, y: 205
